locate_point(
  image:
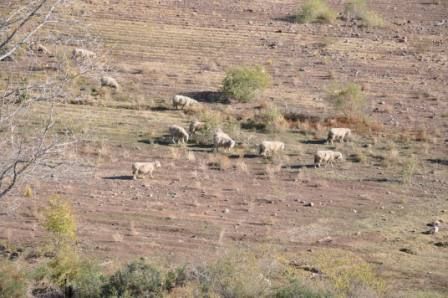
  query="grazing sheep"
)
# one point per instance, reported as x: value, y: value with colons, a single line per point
x: 109, y: 82
x: 221, y: 139
x: 183, y: 101
x: 82, y: 53
x: 434, y: 227
x: 196, y: 125
x: 270, y: 147
x: 178, y: 133
x: 326, y: 156
x: 340, y: 134
x: 144, y: 168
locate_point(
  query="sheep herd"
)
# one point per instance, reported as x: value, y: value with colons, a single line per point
x: 220, y: 139
x: 178, y: 134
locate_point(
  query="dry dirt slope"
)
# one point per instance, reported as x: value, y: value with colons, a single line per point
x: 190, y: 211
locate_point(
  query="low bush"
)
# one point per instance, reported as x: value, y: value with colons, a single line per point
x: 13, y: 281
x: 358, y: 9
x: 298, y: 290
x: 315, y: 11
x: 137, y: 279
x: 245, y: 83
x: 347, y: 99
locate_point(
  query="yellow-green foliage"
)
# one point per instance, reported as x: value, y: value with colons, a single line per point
x: 69, y: 269
x: 237, y: 275
x: 315, y: 11
x: 409, y: 167
x: 359, y: 9
x: 13, y: 281
x: 244, y: 83
x: 59, y: 219
x: 347, y: 272
x: 347, y: 99
x: 272, y: 118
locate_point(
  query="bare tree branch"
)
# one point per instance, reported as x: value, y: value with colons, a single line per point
x: 28, y: 36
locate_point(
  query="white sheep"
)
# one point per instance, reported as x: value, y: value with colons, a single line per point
x: 183, y: 101
x: 326, y: 156
x: 140, y: 169
x: 109, y: 82
x: 340, y: 134
x: 221, y: 139
x: 196, y: 125
x: 178, y: 133
x: 82, y: 53
x: 270, y: 147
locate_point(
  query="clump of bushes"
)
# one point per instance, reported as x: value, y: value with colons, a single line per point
x: 13, y: 281
x: 358, y: 9
x: 347, y: 99
x: 269, y: 119
x: 245, y: 83
x: 139, y: 279
x: 315, y: 11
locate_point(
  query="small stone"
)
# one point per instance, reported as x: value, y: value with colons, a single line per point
x: 355, y: 211
x: 310, y: 204
x: 226, y: 210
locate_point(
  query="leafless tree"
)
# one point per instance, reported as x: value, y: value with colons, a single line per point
x: 32, y: 81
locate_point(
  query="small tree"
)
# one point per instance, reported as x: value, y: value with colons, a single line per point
x: 244, y: 83
x: 59, y: 219
x: 347, y: 99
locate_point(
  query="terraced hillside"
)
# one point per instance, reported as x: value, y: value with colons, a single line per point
x: 201, y: 204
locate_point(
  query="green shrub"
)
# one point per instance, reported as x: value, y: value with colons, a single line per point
x: 137, y: 279
x: 236, y: 275
x: 244, y: 83
x: 69, y: 270
x: 59, y: 219
x: 296, y: 290
x: 359, y: 9
x: 347, y: 99
x: 13, y: 281
x: 315, y: 11
x: 271, y: 118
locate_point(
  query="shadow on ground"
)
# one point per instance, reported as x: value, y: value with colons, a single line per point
x: 207, y: 96
x: 118, y: 178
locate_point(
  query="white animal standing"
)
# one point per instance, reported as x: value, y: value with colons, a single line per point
x: 195, y: 126
x: 141, y: 169
x: 79, y: 53
x: 109, y: 82
x: 268, y: 148
x: 183, y: 101
x: 221, y: 139
x: 339, y: 134
x: 178, y: 134
x: 327, y: 156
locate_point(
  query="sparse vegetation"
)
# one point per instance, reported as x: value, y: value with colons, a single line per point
x: 408, y: 170
x: 347, y: 99
x: 245, y: 83
x: 59, y: 219
x: 316, y: 11
x: 358, y: 9
x: 13, y: 281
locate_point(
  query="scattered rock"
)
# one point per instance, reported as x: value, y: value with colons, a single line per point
x: 226, y: 210
x: 442, y: 244
x: 310, y: 204
x: 327, y: 239
x: 408, y: 251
